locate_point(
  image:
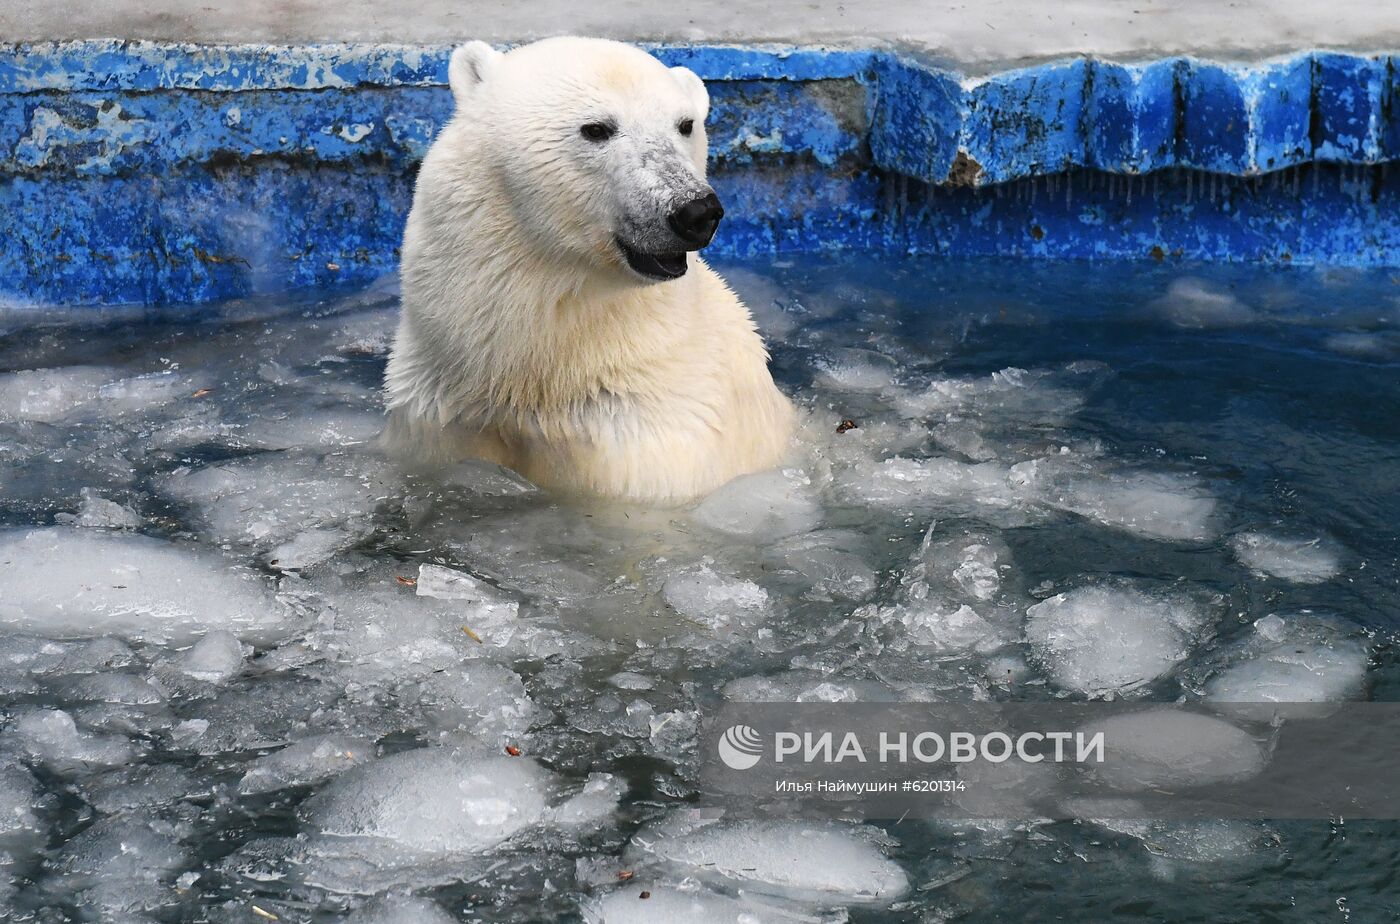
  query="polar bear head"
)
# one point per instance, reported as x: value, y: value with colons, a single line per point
x: 598, y: 148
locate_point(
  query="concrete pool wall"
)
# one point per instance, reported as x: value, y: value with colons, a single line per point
x: 173, y: 173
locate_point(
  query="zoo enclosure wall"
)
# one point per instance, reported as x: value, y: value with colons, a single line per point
x: 169, y: 173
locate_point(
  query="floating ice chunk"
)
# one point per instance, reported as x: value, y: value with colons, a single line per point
x: 1003, y: 791
x: 397, y: 909
x: 594, y: 803
x: 970, y: 566
x: 96, y: 512
x: 193, y: 427
x: 1302, y: 561
x: 1195, y: 303
x: 1169, y: 749
x: 801, y: 686
x: 369, y: 332
x: 121, y: 863
x: 50, y: 395
x: 126, y: 689
x: 686, y: 906
x: 1156, y: 505
x: 142, y: 392
x: 1300, y: 659
x: 39, y: 656
x: 275, y: 710
x: 20, y: 800
x: 949, y: 593
x: 965, y: 437
x: 806, y: 861
x: 266, y: 499
x: 629, y: 680
x: 1101, y: 639
x: 1379, y: 346
x: 484, y: 699
x: 944, y: 625
x: 715, y: 600
x: 310, y: 548
x: 761, y: 507
x: 1169, y: 842
x: 898, y: 481
x: 487, y: 479
x: 831, y: 571
x: 50, y: 737
x: 434, y: 800
x: 673, y: 734
x: 449, y: 584
x: 856, y: 370
x: 140, y: 786
x: 66, y: 582
x: 540, y: 553
x: 1040, y: 396
x: 216, y: 658
x: 331, y: 427
x: 122, y: 847
x: 306, y: 762
x: 423, y: 636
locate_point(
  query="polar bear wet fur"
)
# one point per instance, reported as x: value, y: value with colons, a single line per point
x: 555, y: 316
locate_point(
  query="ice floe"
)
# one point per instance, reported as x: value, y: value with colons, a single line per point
x: 1300, y: 560
x: 1114, y: 637
x: 66, y: 583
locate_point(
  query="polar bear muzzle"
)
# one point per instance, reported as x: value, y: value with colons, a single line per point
x: 696, y: 221
x: 659, y: 266
x: 693, y: 223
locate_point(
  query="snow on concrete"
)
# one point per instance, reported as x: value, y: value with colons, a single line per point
x: 990, y: 33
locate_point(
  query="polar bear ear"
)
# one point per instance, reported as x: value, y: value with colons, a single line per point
x: 470, y: 66
x: 695, y: 87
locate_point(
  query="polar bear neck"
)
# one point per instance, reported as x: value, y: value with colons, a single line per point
x: 489, y: 318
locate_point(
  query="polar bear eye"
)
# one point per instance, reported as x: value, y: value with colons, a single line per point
x: 686, y: 126
x: 597, y: 131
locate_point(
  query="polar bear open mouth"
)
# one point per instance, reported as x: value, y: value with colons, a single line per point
x: 654, y: 265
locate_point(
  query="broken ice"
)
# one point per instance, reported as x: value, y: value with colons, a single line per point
x: 1112, y: 638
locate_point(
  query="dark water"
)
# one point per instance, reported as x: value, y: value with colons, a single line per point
x: 1240, y: 400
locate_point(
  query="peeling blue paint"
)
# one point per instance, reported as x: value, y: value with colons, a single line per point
x: 151, y: 173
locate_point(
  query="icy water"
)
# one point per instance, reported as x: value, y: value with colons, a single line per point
x: 250, y: 671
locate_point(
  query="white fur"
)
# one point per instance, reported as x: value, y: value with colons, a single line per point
x: 525, y: 337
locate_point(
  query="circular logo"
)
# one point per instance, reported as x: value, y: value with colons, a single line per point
x: 740, y: 747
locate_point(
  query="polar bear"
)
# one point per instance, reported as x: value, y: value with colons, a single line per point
x: 556, y: 318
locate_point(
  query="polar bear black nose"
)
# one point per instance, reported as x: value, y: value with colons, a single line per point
x: 696, y: 221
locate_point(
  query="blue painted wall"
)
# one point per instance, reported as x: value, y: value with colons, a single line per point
x: 166, y: 174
